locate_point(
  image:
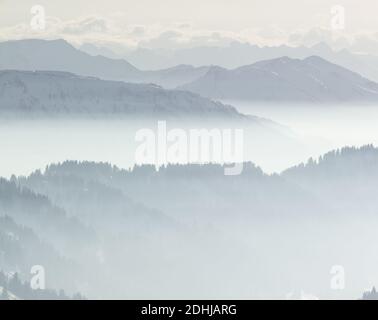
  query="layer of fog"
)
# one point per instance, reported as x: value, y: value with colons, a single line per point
x: 265, y: 257
x: 321, y: 127
x: 249, y: 236
x: 30, y: 144
x: 27, y: 145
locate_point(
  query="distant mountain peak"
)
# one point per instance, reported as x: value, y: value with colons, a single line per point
x: 59, y: 55
x: 42, y: 42
x: 316, y: 59
x: 321, y: 46
x: 286, y: 79
x: 56, y: 92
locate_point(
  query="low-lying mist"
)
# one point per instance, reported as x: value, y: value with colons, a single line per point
x: 189, y: 231
x: 321, y: 127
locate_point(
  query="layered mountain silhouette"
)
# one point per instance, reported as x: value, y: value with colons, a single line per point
x: 345, y: 178
x: 88, y: 199
x: 248, y: 195
x: 51, y: 92
x: 59, y: 55
x: 286, y: 80
x: 349, y: 173
x: 196, y: 208
x: 238, y: 54
x: 37, y: 212
x: 20, y: 248
x: 312, y: 79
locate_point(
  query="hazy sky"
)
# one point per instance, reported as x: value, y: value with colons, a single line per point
x: 173, y: 23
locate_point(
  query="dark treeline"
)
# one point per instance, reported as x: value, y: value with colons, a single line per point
x: 108, y: 232
x: 370, y: 295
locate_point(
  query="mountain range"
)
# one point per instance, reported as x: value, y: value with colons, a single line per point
x: 52, y: 92
x: 80, y: 202
x: 238, y: 54
x: 281, y: 80
x: 59, y: 55
x: 285, y: 79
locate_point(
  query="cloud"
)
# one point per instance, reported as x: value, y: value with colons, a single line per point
x: 335, y: 39
x: 86, y: 25
x: 365, y: 43
x: 94, y: 29
x: 112, y: 32
x: 166, y: 39
x: 138, y: 31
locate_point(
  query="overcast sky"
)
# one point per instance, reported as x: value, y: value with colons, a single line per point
x: 164, y: 23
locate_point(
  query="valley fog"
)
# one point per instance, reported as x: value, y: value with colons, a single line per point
x: 322, y: 127
x: 30, y: 144
x: 167, y: 150
x: 192, y: 232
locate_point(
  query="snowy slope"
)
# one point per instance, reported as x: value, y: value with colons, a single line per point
x: 11, y: 296
x: 66, y: 93
x: 286, y: 80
